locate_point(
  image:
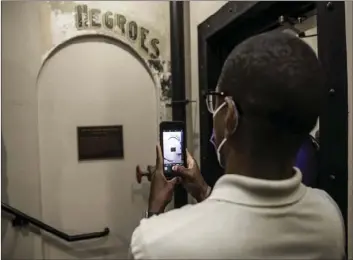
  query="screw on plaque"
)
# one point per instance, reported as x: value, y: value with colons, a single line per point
x: 329, y: 6
x: 332, y: 91
x: 332, y: 177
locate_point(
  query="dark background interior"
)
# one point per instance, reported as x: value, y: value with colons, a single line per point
x: 236, y: 21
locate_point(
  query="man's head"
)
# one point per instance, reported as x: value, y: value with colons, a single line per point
x: 272, y: 87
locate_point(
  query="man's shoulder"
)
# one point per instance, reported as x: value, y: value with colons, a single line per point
x: 159, y: 231
x: 329, y: 211
x: 166, y: 218
x: 322, y: 198
x: 161, y: 225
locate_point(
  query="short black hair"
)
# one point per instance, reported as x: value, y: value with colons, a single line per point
x: 277, y: 78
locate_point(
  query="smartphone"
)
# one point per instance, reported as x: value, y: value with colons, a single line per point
x: 173, y: 144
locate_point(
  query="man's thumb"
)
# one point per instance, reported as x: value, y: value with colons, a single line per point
x: 181, y: 170
x: 174, y: 181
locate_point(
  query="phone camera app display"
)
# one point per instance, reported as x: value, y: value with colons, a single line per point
x: 172, y: 149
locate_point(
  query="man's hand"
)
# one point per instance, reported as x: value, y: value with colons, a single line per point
x: 192, y: 179
x: 161, y: 191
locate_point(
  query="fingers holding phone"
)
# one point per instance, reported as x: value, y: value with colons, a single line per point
x: 161, y: 191
x: 174, y: 164
x: 192, y: 179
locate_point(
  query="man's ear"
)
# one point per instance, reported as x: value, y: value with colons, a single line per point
x: 231, y: 119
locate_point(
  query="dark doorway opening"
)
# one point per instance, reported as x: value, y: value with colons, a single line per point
x: 237, y: 21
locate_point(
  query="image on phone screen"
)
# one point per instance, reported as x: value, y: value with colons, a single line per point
x: 172, y: 149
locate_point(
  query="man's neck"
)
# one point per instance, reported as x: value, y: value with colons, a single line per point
x: 270, y: 168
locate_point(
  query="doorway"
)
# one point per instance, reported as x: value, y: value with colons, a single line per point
x: 317, y: 23
x: 94, y: 81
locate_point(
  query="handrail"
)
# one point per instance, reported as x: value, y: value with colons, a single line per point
x: 25, y: 219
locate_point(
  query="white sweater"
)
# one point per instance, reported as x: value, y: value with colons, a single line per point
x: 247, y: 218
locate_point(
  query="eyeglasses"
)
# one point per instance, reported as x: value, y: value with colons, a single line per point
x: 210, y: 97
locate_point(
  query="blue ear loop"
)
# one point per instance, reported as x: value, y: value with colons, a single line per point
x: 307, y: 161
x: 212, y: 140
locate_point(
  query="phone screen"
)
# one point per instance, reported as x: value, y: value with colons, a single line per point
x: 173, y: 149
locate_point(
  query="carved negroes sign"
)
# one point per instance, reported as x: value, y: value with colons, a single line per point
x: 94, y: 19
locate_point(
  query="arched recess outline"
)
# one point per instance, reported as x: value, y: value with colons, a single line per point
x: 94, y: 36
x: 119, y: 43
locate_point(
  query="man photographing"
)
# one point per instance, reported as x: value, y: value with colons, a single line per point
x: 268, y: 99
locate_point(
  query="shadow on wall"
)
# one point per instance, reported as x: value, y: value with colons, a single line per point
x: 8, y: 245
x: 10, y: 236
x: 4, y: 185
x: 142, y: 190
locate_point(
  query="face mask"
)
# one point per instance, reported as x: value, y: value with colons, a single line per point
x: 212, y: 139
x: 218, y: 150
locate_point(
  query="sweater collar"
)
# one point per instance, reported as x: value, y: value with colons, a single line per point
x: 259, y: 192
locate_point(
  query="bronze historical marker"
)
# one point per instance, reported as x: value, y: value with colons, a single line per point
x: 100, y: 142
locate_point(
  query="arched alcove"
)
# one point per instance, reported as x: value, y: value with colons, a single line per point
x: 94, y: 81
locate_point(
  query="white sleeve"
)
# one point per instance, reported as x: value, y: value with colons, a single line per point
x: 339, y: 214
x: 137, y: 249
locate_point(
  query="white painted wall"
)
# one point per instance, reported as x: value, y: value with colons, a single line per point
x: 30, y: 30
x: 20, y: 62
